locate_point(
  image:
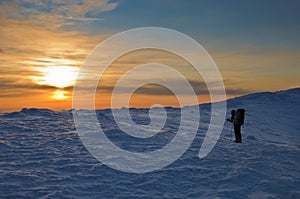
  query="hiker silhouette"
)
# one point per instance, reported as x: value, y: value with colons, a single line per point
x: 237, y: 118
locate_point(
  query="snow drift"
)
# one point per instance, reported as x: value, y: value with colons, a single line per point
x: 43, y: 157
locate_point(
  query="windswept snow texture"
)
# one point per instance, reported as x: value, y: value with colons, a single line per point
x: 41, y: 155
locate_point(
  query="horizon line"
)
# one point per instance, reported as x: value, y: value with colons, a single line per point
x: 173, y: 107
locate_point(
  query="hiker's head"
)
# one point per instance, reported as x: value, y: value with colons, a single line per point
x: 232, y: 112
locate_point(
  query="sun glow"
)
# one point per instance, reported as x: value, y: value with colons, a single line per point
x: 60, y: 95
x: 57, y: 76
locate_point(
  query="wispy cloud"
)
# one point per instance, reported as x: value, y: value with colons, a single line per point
x: 56, y: 12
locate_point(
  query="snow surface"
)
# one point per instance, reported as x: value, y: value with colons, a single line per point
x: 41, y: 155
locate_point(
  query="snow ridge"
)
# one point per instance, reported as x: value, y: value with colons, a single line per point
x: 41, y: 155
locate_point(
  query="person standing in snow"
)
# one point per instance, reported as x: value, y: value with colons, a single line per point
x: 237, y: 118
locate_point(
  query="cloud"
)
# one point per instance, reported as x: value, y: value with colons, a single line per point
x: 258, y: 56
x: 84, y: 19
x: 25, y: 43
x: 199, y: 87
x: 82, y: 7
x: 55, y: 13
x: 33, y: 35
x: 11, y: 88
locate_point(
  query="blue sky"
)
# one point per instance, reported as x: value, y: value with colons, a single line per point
x: 259, y: 30
x: 257, y: 22
x: 222, y: 27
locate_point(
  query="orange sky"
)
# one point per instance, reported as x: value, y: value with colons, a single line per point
x: 43, y: 46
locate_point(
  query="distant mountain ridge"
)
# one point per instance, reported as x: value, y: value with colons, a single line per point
x: 292, y: 94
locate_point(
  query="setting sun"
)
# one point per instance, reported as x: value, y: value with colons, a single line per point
x: 58, y: 76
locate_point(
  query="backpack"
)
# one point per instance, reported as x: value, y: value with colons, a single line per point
x: 240, y: 117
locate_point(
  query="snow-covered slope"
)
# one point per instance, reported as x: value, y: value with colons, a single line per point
x: 42, y: 156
